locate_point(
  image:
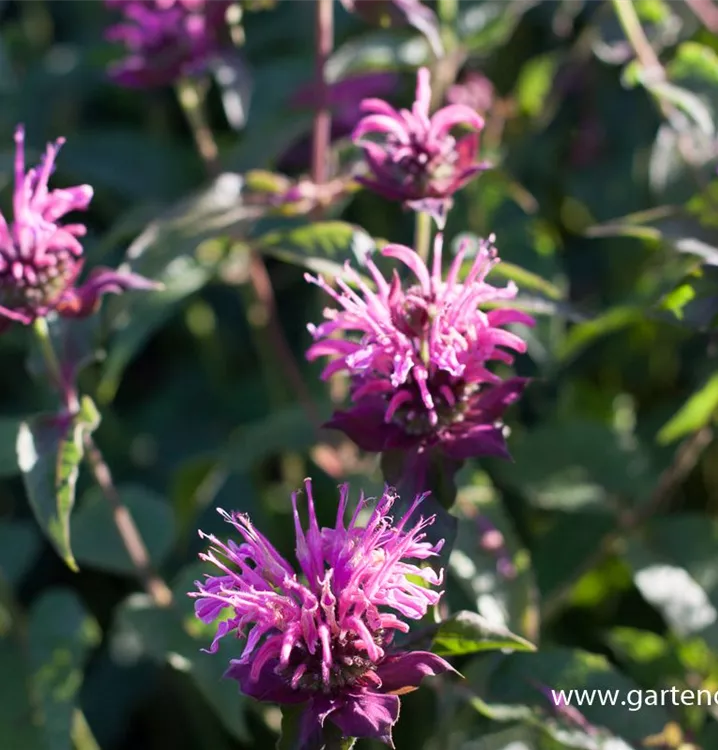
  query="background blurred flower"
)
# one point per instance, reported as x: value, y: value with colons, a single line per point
x: 417, y: 157
x: 418, y: 353
x: 474, y: 90
x: 40, y: 258
x: 325, y: 639
x: 166, y: 39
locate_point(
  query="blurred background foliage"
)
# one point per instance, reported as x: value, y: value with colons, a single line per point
x: 604, y: 203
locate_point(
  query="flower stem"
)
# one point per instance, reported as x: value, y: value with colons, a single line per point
x: 129, y: 533
x: 42, y: 332
x: 422, y: 234
x: 321, y: 137
x: 631, y: 24
x: 192, y: 98
x: 448, y: 11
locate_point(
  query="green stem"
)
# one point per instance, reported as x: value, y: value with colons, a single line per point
x: 128, y: 531
x: 631, y: 24
x: 448, y: 10
x: 192, y: 97
x: 442, y: 74
x: 42, y: 332
x: 422, y: 235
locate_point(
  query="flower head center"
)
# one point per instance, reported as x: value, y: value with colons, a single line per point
x: 31, y: 283
x: 423, y: 161
x: 349, y: 665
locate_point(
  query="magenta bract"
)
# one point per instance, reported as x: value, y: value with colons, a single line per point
x: 40, y: 258
x: 323, y: 635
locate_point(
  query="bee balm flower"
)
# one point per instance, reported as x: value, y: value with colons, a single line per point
x: 418, y: 355
x: 323, y: 635
x: 416, y: 158
x: 166, y: 39
x: 40, y: 259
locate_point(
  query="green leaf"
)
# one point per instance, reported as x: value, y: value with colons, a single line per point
x: 527, y: 280
x: 286, y: 430
x: 110, y: 157
x: 484, y: 26
x: 695, y: 61
x: 535, y: 83
x: 573, y: 464
x: 9, y: 428
x: 74, y: 341
x: 468, y: 633
x: 697, y: 412
x: 322, y: 247
x: 19, y: 548
x: 19, y: 716
x: 60, y: 635
x: 384, y: 49
x: 518, y: 686
x: 182, y: 250
x: 49, y: 450
x: 498, y: 582
x: 582, y: 335
x: 96, y: 540
x: 691, y: 104
x: 291, y: 722
x: 142, y: 630
x: 675, y: 568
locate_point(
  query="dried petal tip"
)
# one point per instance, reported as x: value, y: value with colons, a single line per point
x: 411, y: 156
x: 40, y: 258
x: 323, y: 635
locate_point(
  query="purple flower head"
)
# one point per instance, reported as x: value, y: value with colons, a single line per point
x: 417, y: 355
x: 40, y: 259
x: 166, y: 39
x: 323, y: 635
x: 418, y: 159
x: 400, y: 13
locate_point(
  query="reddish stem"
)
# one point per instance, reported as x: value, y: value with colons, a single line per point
x: 324, y: 40
x: 129, y: 533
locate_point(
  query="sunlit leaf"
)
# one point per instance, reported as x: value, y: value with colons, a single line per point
x: 181, y: 250
x: 50, y: 449
x: 469, y: 632
x: 142, y: 630
x: 60, y: 633
x: 698, y: 411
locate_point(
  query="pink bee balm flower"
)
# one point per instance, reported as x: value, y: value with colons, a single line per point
x: 475, y: 90
x: 166, y: 39
x: 323, y: 635
x: 418, y: 159
x: 40, y: 259
x: 417, y: 355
